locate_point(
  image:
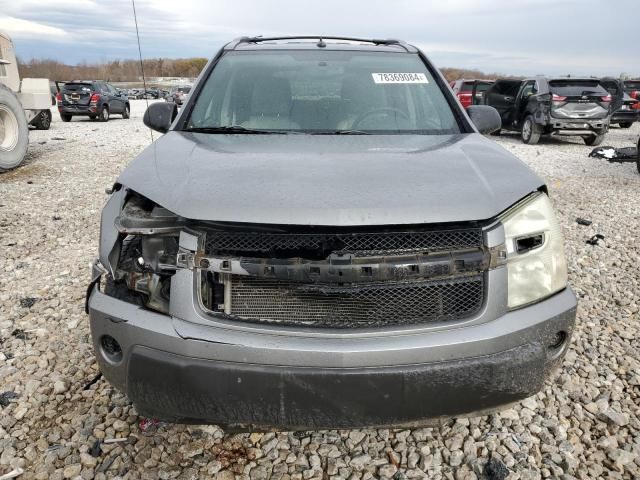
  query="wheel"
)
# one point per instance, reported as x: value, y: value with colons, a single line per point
x: 42, y: 121
x: 126, y: 113
x: 594, y: 140
x: 626, y: 124
x: 530, y: 131
x: 14, y: 130
x: 104, y: 114
x: 65, y: 117
x: 92, y: 117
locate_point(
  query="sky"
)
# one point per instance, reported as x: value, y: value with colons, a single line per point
x: 518, y: 37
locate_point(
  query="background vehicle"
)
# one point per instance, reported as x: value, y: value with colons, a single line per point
x: 559, y: 106
x: 22, y: 103
x: 178, y: 94
x: 470, y: 92
x: 632, y: 87
x: 627, y: 114
x: 93, y: 99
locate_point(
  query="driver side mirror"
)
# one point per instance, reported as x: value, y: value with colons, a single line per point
x: 160, y: 116
x: 485, y: 118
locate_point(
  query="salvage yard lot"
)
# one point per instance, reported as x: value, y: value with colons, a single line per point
x: 584, y: 424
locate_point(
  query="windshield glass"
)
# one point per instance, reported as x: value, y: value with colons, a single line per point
x: 323, y: 92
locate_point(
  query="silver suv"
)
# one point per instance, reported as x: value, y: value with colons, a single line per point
x: 324, y: 239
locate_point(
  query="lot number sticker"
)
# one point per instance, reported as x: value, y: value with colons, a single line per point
x: 399, y: 78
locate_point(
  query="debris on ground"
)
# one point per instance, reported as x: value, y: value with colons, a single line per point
x: 595, y: 239
x: 115, y: 440
x: 93, y: 381
x: 624, y: 154
x: 583, y: 221
x: 496, y: 470
x: 150, y: 425
x: 95, y: 450
x: 28, y: 302
x: 16, y: 472
x: 20, y: 334
x: 6, y: 397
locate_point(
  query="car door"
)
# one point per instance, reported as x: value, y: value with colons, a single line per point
x: 116, y: 105
x: 502, y: 97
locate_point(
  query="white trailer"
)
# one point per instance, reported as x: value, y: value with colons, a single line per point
x: 22, y: 103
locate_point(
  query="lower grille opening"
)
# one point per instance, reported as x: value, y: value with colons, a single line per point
x: 332, y: 306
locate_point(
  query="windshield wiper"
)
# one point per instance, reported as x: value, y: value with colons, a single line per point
x: 342, y: 132
x: 232, y: 129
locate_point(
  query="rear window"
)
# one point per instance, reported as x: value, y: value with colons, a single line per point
x: 78, y: 87
x: 480, y: 86
x: 569, y: 88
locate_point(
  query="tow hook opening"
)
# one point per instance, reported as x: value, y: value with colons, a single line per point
x: 111, y: 349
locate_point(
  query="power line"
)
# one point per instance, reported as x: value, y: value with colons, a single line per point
x: 144, y: 80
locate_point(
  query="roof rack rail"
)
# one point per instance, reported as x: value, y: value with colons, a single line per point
x: 376, y: 41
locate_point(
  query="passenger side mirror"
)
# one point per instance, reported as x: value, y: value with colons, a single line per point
x: 485, y: 118
x: 160, y: 116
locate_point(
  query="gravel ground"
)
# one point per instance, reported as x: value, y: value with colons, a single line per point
x: 584, y: 424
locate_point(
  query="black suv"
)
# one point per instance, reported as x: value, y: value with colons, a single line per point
x: 93, y: 99
x: 555, y: 106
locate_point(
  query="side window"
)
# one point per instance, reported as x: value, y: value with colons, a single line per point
x: 528, y: 89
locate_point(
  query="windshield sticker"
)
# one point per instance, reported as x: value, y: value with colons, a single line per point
x: 399, y: 78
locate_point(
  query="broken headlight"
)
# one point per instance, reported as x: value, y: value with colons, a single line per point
x: 536, y: 263
x: 143, y: 258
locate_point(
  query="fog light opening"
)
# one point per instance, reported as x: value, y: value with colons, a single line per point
x: 558, y: 341
x: 111, y: 348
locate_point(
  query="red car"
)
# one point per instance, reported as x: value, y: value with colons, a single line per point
x: 470, y: 92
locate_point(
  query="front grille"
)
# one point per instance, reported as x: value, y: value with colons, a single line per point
x: 243, y: 243
x: 371, y: 305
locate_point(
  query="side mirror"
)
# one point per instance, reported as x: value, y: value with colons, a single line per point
x: 160, y: 116
x: 485, y: 118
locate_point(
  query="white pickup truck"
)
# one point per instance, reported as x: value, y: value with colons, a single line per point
x: 22, y: 103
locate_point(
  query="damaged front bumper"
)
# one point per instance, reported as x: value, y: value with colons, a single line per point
x: 190, y: 368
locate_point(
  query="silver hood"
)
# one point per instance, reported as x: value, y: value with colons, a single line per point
x: 332, y: 180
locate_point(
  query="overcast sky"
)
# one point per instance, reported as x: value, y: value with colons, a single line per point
x: 579, y: 37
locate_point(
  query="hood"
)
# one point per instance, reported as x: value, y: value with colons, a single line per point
x: 330, y: 180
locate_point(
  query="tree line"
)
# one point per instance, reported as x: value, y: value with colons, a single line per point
x: 112, y: 71
x: 129, y: 70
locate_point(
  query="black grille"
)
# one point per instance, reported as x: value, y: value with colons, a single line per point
x: 373, y: 305
x: 242, y: 243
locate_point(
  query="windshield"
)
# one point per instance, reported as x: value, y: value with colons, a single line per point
x: 322, y: 92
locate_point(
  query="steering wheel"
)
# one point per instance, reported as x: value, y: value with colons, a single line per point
x: 378, y: 111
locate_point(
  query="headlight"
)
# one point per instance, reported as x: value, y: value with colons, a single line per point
x: 536, y: 264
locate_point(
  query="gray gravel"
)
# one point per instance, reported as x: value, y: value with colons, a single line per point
x: 584, y: 424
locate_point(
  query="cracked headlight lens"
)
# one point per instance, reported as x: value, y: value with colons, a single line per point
x: 536, y: 264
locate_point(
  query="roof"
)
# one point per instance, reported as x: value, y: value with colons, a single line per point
x: 311, y: 42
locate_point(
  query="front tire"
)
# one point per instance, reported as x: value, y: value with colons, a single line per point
x: 14, y: 130
x: 530, y: 131
x: 625, y: 124
x: 104, y: 114
x: 42, y: 120
x: 65, y: 117
x: 126, y: 113
x: 594, y: 140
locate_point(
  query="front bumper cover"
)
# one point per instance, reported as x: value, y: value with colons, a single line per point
x: 171, y: 370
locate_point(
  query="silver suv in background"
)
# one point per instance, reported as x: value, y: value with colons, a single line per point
x: 323, y: 238
x: 178, y: 94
